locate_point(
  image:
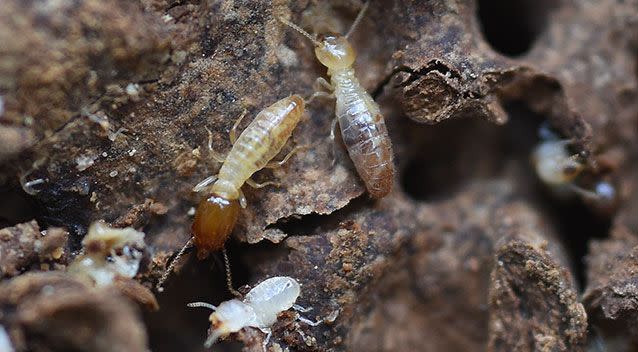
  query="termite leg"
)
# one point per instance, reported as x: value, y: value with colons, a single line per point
x: 27, y: 185
x: 229, y: 275
x: 242, y: 200
x: 268, y: 333
x: 333, y: 129
x: 581, y: 191
x: 278, y: 164
x: 308, y: 321
x: 254, y: 184
x: 204, y: 183
x: 233, y: 131
x: 301, y: 309
x: 218, y: 157
x: 171, y: 266
x: 321, y: 82
x: 319, y: 94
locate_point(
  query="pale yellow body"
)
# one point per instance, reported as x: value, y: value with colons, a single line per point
x: 257, y: 145
x: 363, y: 132
x: 363, y: 128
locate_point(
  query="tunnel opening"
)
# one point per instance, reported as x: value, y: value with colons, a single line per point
x: 512, y: 27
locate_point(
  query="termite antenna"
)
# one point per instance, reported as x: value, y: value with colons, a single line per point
x: 300, y: 30
x: 229, y: 275
x: 354, y: 24
x: 171, y: 266
x: 202, y: 305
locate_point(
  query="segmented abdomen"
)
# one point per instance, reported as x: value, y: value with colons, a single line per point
x: 364, y: 133
x: 261, y: 141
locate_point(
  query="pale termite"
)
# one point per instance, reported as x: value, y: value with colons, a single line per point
x: 362, y: 126
x: 253, y: 150
x: 258, y: 309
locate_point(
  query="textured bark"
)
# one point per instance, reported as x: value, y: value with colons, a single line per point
x: 105, y: 113
x: 533, y: 303
x: 53, y: 312
x: 24, y: 247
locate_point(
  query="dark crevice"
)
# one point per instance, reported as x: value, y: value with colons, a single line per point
x: 575, y: 222
x: 198, y: 280
x: 55, y: 207
x: 16, y: 207
x: 578, y: 225
x: 446, y: 157
x: 174, y: 4
x: 512, y: 27
x: 449, y: 155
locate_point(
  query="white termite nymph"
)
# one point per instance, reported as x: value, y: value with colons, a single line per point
x: 258, y: 309
x: 554, y: 164
x: 558, y: 168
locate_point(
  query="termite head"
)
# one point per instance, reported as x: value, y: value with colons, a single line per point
x: 227, y: 318
x: 554, y: 164
x: 214, y: 220
x: 334, y: 51
x: 230, y: 316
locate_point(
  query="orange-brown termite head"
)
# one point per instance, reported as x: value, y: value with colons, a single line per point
x: 215, y: 219
x: 334, y: 51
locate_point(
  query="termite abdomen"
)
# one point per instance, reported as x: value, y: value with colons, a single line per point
x: 214, y: 220
x: 370, y: 149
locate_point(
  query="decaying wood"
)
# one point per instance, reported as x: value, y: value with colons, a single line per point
x: 108, y: 105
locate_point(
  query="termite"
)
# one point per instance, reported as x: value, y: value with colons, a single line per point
x: 559, y: 169
x: 253, y: 150
x: 362, y: 126
x: 258, y: 309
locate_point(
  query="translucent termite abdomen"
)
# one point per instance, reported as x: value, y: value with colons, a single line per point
x: 364, y: 133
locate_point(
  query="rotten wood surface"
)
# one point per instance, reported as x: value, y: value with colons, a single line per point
x: 105, y: 113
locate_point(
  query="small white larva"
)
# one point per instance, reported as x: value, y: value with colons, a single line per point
x: 259, y: 309
x: 559, y: 169
x: 554, y: 164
